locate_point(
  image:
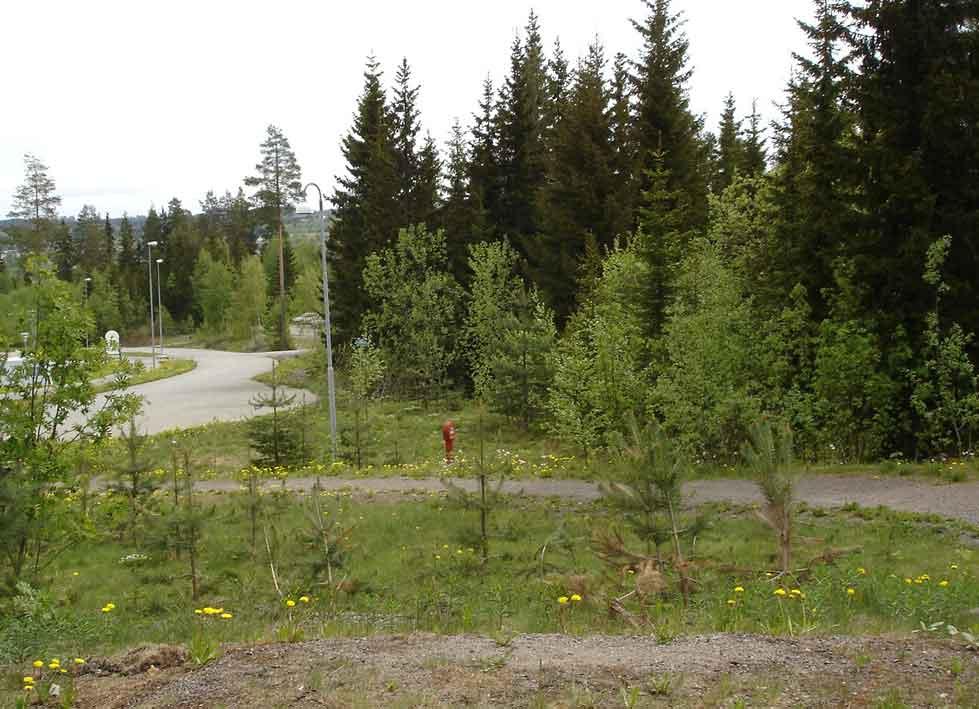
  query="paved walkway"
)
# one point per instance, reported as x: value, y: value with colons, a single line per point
x: 958, y: 501
x: 220, y: 388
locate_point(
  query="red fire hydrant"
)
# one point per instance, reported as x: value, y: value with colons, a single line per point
x: 448, y: 438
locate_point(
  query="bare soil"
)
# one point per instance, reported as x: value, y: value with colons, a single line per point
x: 548, y: 671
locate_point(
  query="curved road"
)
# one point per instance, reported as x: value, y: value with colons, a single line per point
x: 220, y: 388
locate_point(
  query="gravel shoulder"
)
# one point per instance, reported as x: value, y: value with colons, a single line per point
x: 549, y: 671
x: 956, y: 501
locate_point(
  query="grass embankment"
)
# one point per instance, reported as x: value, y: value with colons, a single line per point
x: 410, y: 566
x: 163, y: 370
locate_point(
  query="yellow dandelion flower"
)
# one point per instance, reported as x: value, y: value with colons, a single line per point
x: 861, y: 571
x: 739, y: 589
x: 28, y: 687
x: 943, y: 583
x: 304, y: 599
x: 731, y: 601
x: 925, y: 577
x: 291, y: 603
x: 79, y: 661
x: 575, y: 597
x: 438, y: 557
x: 851, y: 592
x: 38, y: 663
x: 198, y: 611
x: 226, y: 616
x: 53, y: 665
x: 74, y: 573
x: 62, y: 671
x: 562, y: 600
x: 795, y: 592
x: 954, y: 567
x: 779, y: 591
x: 110, y: 606
x: 28, y: 680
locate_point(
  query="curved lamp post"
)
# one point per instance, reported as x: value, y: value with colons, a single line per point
x: 331, y: 393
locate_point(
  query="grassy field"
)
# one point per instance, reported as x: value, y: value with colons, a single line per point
x: 406, y: 565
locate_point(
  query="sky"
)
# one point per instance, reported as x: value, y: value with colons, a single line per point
x: 132, y: 102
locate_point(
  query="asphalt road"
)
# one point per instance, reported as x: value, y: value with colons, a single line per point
x: 220, y: 388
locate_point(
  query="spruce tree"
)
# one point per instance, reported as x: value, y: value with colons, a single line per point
x: 64, y: 251
x: 521, y: 123
x: 577, y: 200
x: 814, y: 181
x: 366, y: 201
x: 730, y: 150
x: 110, y: 243
x: 485, y: 177
x: 663, y: 121
x: 621, y: 205
x: 755, y: 155
x: 458, y: 212
x: 916, y: 118
x: 90, y: 237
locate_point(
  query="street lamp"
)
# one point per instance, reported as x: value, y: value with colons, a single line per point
x: 86, y: 281
x: 159, y: 301
x: 326, y: 323
x: 149, y: 264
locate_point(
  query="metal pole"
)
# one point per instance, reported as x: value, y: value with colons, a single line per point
x: 149, y: 264
x: 86, y: 282
x: 331, y: 389
x: 159, y: 301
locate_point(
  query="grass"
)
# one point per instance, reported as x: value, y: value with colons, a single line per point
x: 164, y: 370
x: 412, y: 565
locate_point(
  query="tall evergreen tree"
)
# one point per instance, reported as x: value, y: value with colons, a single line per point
x: 662, y: 119
x: 110, y: 243
x: 577, y: 198
x: 278, y: 180
x: 484, y: 167
x: 90, y: 238
x: 413, y: 162
x: 35, y: 201
x: 366, y: 201
x: 622, y: 203
x: 755, y: 155
x: 64, y: 251
x: 521, y: 123
x: 917, y: 116
x: 730, y: 150
x: 459, y: 211
x: 814, y: 179
x: 128, y: 259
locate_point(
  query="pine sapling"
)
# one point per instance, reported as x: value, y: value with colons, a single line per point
x: 769, y: 455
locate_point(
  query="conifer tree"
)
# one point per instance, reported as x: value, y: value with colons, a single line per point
x: 278, y: 180
x: 814, y: 180
x: 110, y: 243
x: 622, y: 202
x: 366, y: 202
x: 416, y: 165
x: 662, y: 118
x: 35, y: 201
x: 578, y: 198
x: 458, y: 214
x: 484, y: 167
x: 917, y: 118
x: 521, y: 124
x: 90, y: 238
x: 64, y: 251
x: 755, y: 155
x: 730, y: 158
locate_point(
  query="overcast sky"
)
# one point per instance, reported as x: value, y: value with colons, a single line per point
x: 132, y: 102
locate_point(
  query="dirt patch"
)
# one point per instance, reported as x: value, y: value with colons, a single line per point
x: 559, y: 671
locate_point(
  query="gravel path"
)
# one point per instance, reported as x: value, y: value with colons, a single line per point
x: 423, y: 670
x: 958, y: 501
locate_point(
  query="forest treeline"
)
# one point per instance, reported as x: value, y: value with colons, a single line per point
x: 586, y: 250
